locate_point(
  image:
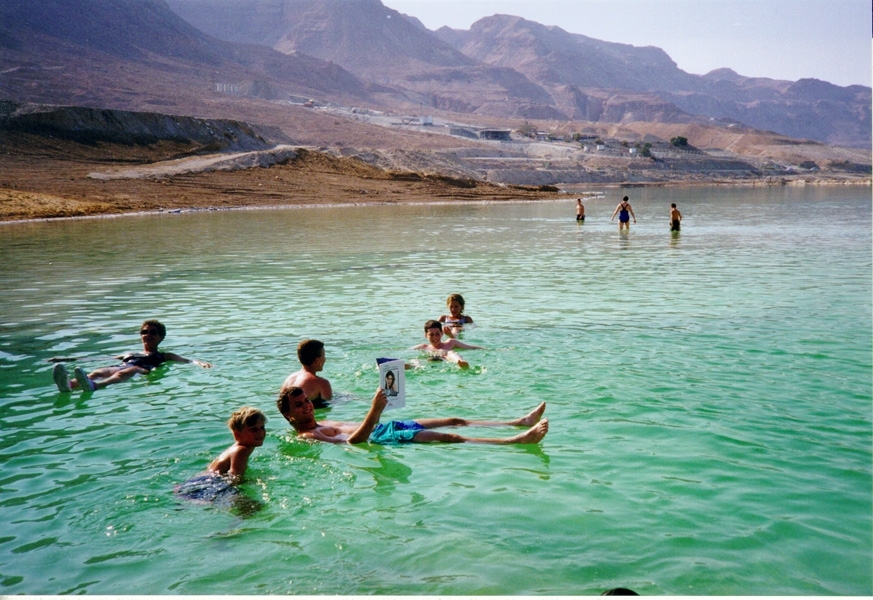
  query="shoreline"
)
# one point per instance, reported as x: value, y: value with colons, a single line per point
x: 592, y: 190
x: 307, y: 206
x: 45, y: 178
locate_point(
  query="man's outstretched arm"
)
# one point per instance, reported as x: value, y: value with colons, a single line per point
x: 362, y: 433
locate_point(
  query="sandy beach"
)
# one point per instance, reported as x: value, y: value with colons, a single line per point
x: 46, y: 178
x: 53, y: 179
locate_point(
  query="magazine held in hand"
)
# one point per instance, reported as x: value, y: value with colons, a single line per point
x: 392, y: 380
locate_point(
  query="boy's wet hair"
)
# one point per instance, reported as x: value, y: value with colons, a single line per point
x: 283, y: 402
x: 245, y: 417
x: 431, y: 324
x: 308, y: 351
x: 457, y: 298
x: 162, y: 329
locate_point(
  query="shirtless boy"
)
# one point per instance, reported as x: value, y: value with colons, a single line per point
x: 152, y: 333
x: 438, y: 349
x: 298, y: 410
x: 248, y: 426
x: 675, y: 217
x: 310, y: 353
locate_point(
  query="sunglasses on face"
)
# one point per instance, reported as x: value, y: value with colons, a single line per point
x: 149, y: 332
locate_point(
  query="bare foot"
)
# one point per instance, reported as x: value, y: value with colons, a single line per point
x: 532, y: 435
x: 532, y: 417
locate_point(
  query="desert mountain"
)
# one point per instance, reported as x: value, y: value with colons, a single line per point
x: 510, y: 67
x: 360, y: 35
x: 138, y: 54
x: 379, y: 45
x: 553, y: 58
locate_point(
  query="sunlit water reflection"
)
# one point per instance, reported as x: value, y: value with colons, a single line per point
x: 709, y: 396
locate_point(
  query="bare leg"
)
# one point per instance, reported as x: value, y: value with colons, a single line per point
x: 110, y: 375
x: 526, y: 421
x: 532, y: 436
x: 100, y: 373
x: 456, y: 358
x: 104, y: 372
x: 119, y: 376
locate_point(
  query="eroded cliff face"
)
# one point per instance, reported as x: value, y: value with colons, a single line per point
x: 91, y: 125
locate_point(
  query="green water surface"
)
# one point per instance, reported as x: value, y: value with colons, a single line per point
x: 709, y: 395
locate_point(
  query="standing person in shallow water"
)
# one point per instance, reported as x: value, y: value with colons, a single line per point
x: 298, y: 410
x: 675, y: 217
x: 310, y: 353
x: 580, y: 210
x: 453, y: 323
x: 624, y: 212
x: 152, y: 333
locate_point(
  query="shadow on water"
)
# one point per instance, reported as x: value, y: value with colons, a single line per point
x: 389, y: 473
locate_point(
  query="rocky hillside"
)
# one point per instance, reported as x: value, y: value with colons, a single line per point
x: 379, y: 45
x: 91, y: 125
x: 599, y: 73
x: 551, y: 56
x: 138, y: 54
x: 133, y: 73
x: 510, y: 67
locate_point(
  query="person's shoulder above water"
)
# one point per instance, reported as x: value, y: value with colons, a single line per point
x: 311, y: 355
x: 248, y: 426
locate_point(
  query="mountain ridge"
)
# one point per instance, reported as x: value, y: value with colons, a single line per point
x: 139, y: 55
x: 560, y: 75
x: 123, y: 53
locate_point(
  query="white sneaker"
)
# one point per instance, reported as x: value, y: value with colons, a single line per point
x: 86, y: 384
x: 62, y: 380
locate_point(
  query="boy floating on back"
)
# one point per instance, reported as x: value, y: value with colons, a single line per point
x: 152, y: 333
x: 440, y: 350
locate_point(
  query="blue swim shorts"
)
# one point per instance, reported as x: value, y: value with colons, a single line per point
x: 395, y: 432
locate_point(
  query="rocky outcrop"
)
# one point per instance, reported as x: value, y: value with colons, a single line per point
x: 91, y: 125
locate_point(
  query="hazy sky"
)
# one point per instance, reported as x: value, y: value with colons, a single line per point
x: 780, y: 39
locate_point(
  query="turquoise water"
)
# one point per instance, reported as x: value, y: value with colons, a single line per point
x: 709, y: 396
